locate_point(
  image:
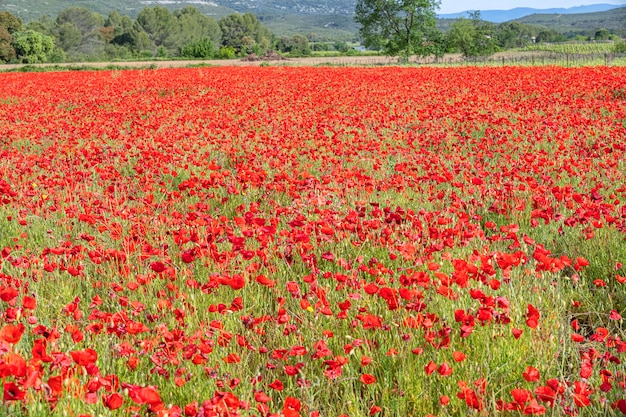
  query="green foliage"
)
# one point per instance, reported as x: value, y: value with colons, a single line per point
x: 619, y: 47
x: 46, y: 25
x: 86, y: 21
x: 78, y: 33
x: 461, y: 36
x: 399, y: 27
x: 297, y: 45
x: 514, y: 35
x: 245, y: 34
x: 69, y: 36
x: 198, y: 49
x: 473, y: 37
x: 159, y: 24
x: 570, y: 25
x: 32, y: 47
x: 602, y: 34
x: 161, y: 52
x: 321, y: 46
x: 550, y: 35
x: 195, y: 26
x: 120, y: 24
x: 10, y: 22
x: 7, y: 52
x: 157, y: 27
x: 116, y: 52
x: 226, y: 52
x: 575, y: 48
x: 326, y: 28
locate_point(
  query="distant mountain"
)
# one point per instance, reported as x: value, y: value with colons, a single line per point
x: 613, y: 20
x: 499, y: 16
x: 328, y: 19
x: 302, y: 7
x: 32, y: 9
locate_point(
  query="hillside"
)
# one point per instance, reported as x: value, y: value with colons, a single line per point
x: 324, y: 27
x: 32, y: 9
x: 499, y: 16
x: 614, y: 20
x: 328, y: 19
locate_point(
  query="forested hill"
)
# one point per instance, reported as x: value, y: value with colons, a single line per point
x: 612, y: 20
x: 329, y: 19
x: 499, y: 16
x: 32, y: 9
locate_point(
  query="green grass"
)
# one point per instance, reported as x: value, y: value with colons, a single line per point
x: 573, y: 48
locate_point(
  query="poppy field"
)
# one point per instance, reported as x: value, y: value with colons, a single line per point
x: 313, y: 242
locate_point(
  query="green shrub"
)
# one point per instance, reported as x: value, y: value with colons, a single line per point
x: 202, y: 48
x: 619, y: 47
x: 226, y: 52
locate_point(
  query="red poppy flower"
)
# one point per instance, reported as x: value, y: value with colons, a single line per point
x: 276, y: 385
x: 292, y: 407
x: 12, y: 392
x: 261, y: 397
x: 532, y: 317
x: 531, y: 374
x: 12, y: 334
x: 84, y: 357
x: 581, y: 394
x: 14, y: 365
x: 29, y: 303
x: 444, y: 369
x: 157, y: 267
x: 232, y: 358
x: 113, y: 401
x: 430, y: 368
x: 368, y: 379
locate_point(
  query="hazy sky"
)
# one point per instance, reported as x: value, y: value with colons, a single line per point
x: 453, y: 6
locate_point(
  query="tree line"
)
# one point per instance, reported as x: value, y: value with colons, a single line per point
x: 395, y: 27
x: 409, y: 27
x: 78, y: 34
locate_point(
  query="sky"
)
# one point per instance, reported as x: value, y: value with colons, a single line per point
x: 454, y: 6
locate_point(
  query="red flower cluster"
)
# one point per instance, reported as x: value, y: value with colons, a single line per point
x: 227, y: 241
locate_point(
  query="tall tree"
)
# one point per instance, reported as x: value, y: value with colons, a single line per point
x: 602, y: 34
x: 295, y: 45
x: 9, y: 24
x: 45, y: 24
x: 513, y: 35
x: 473, y: 37
x: 400, y: 27
x: 195, y: 26
x: 7, y: 52
x: 245, y: 34
x: 120, y: 24
x: 161, y: 27
x: 79, y: 32
x: 32, y: 47
x: 549, y: 35
x: 122, y: 39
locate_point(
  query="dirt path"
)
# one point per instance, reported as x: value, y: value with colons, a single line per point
x: 308, y: 61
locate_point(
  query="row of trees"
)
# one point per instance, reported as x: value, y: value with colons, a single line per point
x: 79, y: 34
x: 396, y: 27
x: 409, y: 27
